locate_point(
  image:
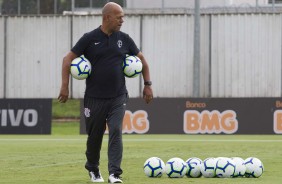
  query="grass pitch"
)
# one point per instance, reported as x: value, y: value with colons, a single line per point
x: 60, y: 158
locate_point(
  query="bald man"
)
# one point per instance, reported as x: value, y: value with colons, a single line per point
x: 106, y: 95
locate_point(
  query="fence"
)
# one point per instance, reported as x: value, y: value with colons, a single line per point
x: 240, y: 53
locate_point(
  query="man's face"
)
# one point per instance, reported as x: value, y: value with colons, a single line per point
x: 116, y: 20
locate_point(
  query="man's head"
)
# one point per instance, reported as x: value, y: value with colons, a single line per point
x: 112, y: 17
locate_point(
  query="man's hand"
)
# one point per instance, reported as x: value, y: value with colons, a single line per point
x: 147, y: 94
x: 64, y: 92
x: 64, y: 95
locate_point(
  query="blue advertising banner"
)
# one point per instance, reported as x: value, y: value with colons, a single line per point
x: 25, y: 116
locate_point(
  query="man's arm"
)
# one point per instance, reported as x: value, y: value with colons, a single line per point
x: 64, y: 92
x: 147, y: 91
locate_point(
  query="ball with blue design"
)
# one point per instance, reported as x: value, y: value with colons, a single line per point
x: 208, y: 167
x: 254, y: 167
x: 132, y: 66
x: 240, y: 168
x: 80, y: 68
x: 176, y: 168
x: 154, y: 167
x: 225, y: 167
x: 194, y: 167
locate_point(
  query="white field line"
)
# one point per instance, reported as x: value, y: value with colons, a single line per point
x: 150, y: 140
x: 30, y: 139
x: 198, y: 140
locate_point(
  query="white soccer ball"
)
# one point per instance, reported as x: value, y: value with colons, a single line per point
x: 208, y: 167
x: 254, y: 167
x: 194, y: 167
x: 132, y: 66
x: 80, y: 68
x: 176, y: 168
x: 154, y: 167
x: 225, y: 167
x: 240, y: 168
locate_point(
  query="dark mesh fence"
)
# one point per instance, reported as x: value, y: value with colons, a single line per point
x: 31, y: 7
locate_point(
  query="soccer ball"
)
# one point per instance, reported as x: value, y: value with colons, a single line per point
x: 132, y: 66
x: 254, y: 167
x: 240, y: 168
x: 176, y: 168
x: 208, y: 167
x: 154, y: 167
x: 80, y: 68
x: 194, y: 167
x: 225, y: 167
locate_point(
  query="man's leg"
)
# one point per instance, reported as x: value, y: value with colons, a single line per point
x: 95, y: 111
x: 115, y: 147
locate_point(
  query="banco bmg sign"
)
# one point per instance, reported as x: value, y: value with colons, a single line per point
x: 25, y: 116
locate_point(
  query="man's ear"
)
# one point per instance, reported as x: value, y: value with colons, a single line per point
x: 108, y: 17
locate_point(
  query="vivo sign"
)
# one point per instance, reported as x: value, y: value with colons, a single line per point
x: 25, y: 116
x: 28, y: 117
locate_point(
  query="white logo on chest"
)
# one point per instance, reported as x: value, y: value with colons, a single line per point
x: 119, y: 43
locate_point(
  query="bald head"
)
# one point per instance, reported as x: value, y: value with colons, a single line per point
x: 112, y: 18
x: 110, y: 8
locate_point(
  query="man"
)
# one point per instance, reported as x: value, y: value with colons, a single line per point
x: 106, y: 94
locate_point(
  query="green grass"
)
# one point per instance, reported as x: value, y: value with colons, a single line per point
x: 70, y: 109
x: 59, y: 158
x: 65, y: 128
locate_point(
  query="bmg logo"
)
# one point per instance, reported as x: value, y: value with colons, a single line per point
x: 277, y: 124
x: 210, y: 122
